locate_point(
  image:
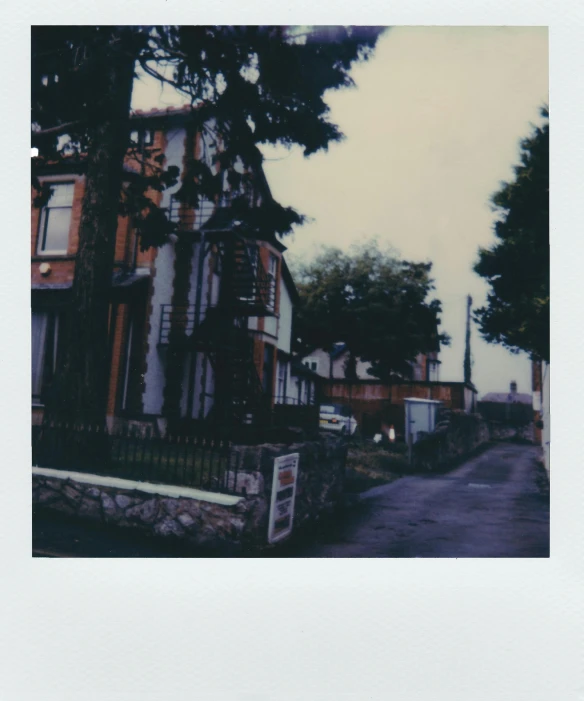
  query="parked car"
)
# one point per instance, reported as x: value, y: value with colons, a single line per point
x: 339, y: 418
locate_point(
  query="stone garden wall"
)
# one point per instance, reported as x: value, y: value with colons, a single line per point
x: 203, y: 518
x: 321, y: 477
x: 502, y: 432
x: 456, y: 436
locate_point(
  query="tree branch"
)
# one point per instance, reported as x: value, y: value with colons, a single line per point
x: 57, y: 129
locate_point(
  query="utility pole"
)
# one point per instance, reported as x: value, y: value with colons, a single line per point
x: 467, y: 362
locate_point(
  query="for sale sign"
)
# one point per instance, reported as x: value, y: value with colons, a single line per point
x: 283, y: 496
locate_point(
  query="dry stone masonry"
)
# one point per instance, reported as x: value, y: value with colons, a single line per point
x: 243, y: 522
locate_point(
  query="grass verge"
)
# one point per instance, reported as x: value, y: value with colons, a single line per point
x: 371, y: 466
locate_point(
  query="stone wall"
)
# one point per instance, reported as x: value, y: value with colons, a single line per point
x: 195, y: 517
x: 198, y: 522
x: 502, y: 432
x: 457, y: 435
x: 321, y: 478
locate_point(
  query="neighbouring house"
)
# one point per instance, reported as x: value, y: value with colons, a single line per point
x: 510, y: 408
x: 332, y: 365
x: 540, y: 383
x: 200, y: 327
x: 377, y: 405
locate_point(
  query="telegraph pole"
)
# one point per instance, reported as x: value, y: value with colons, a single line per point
x: 467, y: 361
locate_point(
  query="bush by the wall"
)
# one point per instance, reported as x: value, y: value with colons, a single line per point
x: 457, y: 434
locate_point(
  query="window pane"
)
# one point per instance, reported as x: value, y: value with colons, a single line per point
x: 61, y: 195
x: 57, y: 223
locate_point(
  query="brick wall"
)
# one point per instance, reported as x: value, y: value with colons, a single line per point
x: 62, y: 267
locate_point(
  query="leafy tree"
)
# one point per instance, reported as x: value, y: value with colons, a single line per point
x: 261, y: 84
x: 517, y: 266
x: 373, y: 302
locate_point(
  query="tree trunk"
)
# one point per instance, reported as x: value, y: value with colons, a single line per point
x: 81, y: 386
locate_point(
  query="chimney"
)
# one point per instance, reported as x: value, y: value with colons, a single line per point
x: 513, y: 387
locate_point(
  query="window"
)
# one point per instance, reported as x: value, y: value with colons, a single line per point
x: 56, y: 220
x: 45, y: 334
x: 132, y: 381
x: 281, y: 389
x: 305, y: 398
x: 433, y: 367
x: 311, y: 364
x: 141, y: 138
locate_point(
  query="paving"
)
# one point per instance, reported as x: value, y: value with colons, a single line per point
x: 494, y: 505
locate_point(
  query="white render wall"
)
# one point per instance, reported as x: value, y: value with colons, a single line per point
x: 154, y: 379
x: 285, y: 320
x: 323, y: 368
x: 271, y: 328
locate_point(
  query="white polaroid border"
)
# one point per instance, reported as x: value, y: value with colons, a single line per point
x: 275, y: 629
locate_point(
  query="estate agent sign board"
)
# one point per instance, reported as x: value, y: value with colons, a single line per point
x: 283, y: 496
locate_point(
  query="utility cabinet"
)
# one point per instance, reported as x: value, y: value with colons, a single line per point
x: 420, y: 417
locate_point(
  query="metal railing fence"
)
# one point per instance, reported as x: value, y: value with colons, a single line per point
x: 200, y: 461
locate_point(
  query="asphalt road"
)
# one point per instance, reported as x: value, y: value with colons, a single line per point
x: 494, y: 505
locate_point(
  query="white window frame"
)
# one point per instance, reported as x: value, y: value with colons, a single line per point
x: 310, y: 362
x: 142, y: 137
x: 41, y: 251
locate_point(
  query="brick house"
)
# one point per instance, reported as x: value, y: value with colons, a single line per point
x: 200, y: 327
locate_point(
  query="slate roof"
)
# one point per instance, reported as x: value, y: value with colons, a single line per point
x: 507, y: 398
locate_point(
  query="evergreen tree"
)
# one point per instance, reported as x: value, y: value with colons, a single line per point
x: 517, y: 267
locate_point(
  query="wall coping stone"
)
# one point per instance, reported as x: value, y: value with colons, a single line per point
x: 166, y: 490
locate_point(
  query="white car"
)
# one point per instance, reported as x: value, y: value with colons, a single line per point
x: 338, y: 418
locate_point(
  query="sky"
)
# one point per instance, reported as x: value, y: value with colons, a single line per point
x: 432, y: 130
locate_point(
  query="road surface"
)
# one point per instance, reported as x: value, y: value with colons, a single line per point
x: 494, y: 505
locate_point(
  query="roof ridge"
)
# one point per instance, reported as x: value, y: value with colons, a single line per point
x: 162, y: 111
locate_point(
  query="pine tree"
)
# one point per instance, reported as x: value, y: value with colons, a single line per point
x: 259, y: 85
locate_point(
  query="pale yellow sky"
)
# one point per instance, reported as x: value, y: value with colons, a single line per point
x: 432, y: 129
